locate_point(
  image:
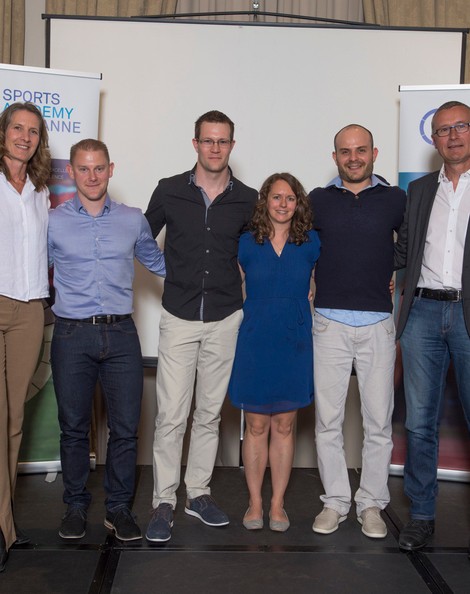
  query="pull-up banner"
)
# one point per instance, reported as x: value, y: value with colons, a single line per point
x: 417, y: 157
x: 69, y: 103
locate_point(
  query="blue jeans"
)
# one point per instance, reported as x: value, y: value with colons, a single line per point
x: 82, y: 354
x: 434, y: 334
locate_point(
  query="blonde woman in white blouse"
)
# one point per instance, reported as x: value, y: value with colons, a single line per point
x: 24, y: 200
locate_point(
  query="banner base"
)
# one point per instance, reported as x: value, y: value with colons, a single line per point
x: 444, y: 474
x: 47, y: 466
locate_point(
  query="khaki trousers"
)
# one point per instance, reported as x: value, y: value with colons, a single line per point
x: 372, y: 349
x: 21, y: 332
x: 189, y: 351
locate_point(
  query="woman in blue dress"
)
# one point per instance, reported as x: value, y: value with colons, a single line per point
x: 272, y: 373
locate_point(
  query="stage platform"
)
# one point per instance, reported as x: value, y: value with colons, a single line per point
x: 231, y: 560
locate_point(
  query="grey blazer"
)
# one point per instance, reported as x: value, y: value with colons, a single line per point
x: 409, y: 247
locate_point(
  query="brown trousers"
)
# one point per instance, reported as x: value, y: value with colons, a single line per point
x: 21, y: 332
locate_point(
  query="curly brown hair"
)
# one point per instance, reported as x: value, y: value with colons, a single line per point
x: 302, y: 221
x: 39, y: 166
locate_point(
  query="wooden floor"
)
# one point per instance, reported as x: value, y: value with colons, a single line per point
x: 232, y: 560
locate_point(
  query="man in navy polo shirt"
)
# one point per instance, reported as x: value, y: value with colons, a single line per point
x: 356, y: 216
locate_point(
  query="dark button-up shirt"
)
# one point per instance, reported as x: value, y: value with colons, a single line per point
x: 201, y: 246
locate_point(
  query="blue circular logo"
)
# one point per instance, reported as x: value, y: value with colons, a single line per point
x: 427, y: 138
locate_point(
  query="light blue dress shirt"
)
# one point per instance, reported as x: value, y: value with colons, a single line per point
x: 93, y: 257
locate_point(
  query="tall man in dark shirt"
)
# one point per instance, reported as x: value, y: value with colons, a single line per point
x: 205, y: 211
x: 355, y: 215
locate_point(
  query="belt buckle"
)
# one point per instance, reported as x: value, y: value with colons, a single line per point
x: 458, y: 297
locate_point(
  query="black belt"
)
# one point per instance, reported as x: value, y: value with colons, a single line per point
x: 108, y: 319
x: 440, y: 294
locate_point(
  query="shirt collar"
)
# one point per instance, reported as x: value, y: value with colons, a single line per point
x: 375, y: 181
x: 28, y: 182
x: 443, y: 177
x: 78, y: 206
x: 192, y: 179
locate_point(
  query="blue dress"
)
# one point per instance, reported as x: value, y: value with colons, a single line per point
x: 273, y: 366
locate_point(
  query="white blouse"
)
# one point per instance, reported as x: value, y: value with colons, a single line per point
x: 23, y: 241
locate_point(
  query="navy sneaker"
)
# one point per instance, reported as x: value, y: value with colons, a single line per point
x: 205, y: 508
x: 161, y: 523
x: 123, y: 523
x: 73, y: 523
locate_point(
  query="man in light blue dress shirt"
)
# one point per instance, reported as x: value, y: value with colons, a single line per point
x: 92, y: 243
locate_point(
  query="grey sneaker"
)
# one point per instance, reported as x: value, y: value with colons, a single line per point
x: 205, y: 508
x: 372, y: 524
x: 161, y: 523
x: 73, y: 523
x: 327, y: 521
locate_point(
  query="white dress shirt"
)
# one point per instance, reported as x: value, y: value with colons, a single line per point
x: 23, y: 241
x: 445, y: 238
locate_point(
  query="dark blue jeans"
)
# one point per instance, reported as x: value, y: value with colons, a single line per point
x: 434, y: 334
x: 81, y: 355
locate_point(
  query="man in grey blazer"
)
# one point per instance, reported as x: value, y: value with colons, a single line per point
x: 434, y: 321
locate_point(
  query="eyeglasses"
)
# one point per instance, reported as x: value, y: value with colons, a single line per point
x: 209, y: 142
x: 460, y: 128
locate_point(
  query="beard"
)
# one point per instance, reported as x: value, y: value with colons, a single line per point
x: 356, y: 176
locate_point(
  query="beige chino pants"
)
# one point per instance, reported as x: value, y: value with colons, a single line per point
x: 188, y: 352
x: 372, y: 349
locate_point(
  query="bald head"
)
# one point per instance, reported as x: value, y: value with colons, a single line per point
x: 354, y: 156
x: 351, y: 127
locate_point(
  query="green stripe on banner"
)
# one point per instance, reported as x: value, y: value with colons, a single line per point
x: 41, y: 432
